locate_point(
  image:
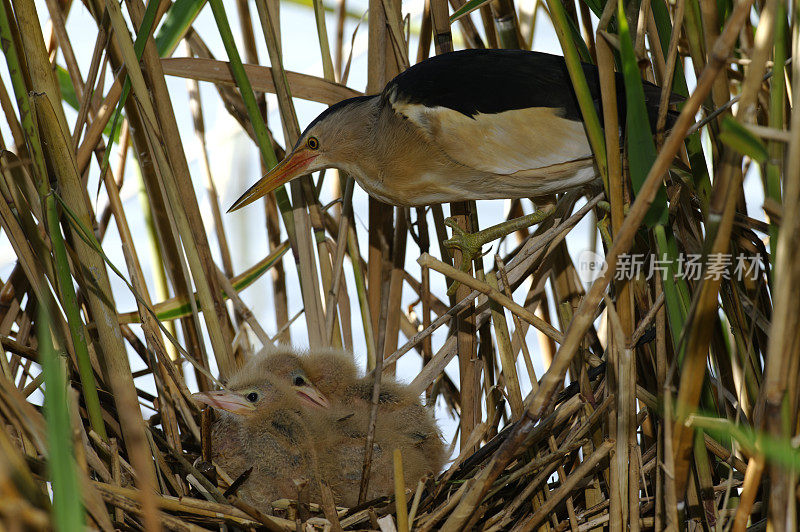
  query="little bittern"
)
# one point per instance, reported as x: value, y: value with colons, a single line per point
x: 262, y: 425
x: 341, y: 430
x: 466, y: 125
x: 292, y: 415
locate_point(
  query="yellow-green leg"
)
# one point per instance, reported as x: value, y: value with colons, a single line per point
x: 470, y: 244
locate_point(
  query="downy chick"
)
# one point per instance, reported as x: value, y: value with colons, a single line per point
x: 262, y: 425
x: 402, y: 421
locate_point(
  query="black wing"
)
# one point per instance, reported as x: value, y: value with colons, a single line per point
x: 493, y: 81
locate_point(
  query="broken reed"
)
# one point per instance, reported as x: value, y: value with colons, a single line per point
x: 687, y: 392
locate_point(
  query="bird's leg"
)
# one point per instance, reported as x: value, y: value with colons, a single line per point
x: 603, y: 225
x: 470, y: 244
x: 604, y: 206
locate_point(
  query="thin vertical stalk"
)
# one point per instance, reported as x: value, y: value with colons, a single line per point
x: 376, y: 380
x: 382, y: 67
x: 395, y: 292
x: 341, y: 15
x: 363, y: 300
x: 70, y: 304
x: 593, y: 129
x: 506, y: 355
x: 777, y: 106
x: 67, y: 507
x: 324, y: 45
x: 316, y: 317
x: 196, y: 108
x: 785, y: 328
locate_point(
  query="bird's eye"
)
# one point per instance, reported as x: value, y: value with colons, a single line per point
x: 299, y: 381
x: 312, y: 143
x: 252, y: 397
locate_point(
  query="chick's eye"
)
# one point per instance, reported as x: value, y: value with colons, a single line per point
x: 299, y: 381
x: 252, y: 397
x: 312, y: 143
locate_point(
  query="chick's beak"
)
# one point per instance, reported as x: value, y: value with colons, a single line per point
x: 224, y: 400
x: 289, y: 168
x: 313, y: 396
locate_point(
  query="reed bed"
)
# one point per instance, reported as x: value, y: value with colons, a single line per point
x: 669, y: 399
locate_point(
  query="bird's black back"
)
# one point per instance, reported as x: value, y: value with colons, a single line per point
x: 493, y: 81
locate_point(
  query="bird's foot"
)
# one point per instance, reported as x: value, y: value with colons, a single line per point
x: 471, y: 244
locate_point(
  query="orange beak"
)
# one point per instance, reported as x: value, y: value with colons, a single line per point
x: 311, y: 395
x: 224, y: 400
x: 289, y: 168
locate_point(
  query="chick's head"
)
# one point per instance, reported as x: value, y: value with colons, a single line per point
x: 250, y: 395
x: 318, y: 378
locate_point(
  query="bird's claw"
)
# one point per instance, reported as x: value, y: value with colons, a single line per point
x: 453, y: 225
x: 470, y: 245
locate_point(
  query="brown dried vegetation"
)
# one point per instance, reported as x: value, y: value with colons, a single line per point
x: 680, y: 411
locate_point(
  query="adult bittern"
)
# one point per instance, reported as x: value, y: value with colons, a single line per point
x: 341, y: 430
x: 262, y: 425
x: 467, y: 125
